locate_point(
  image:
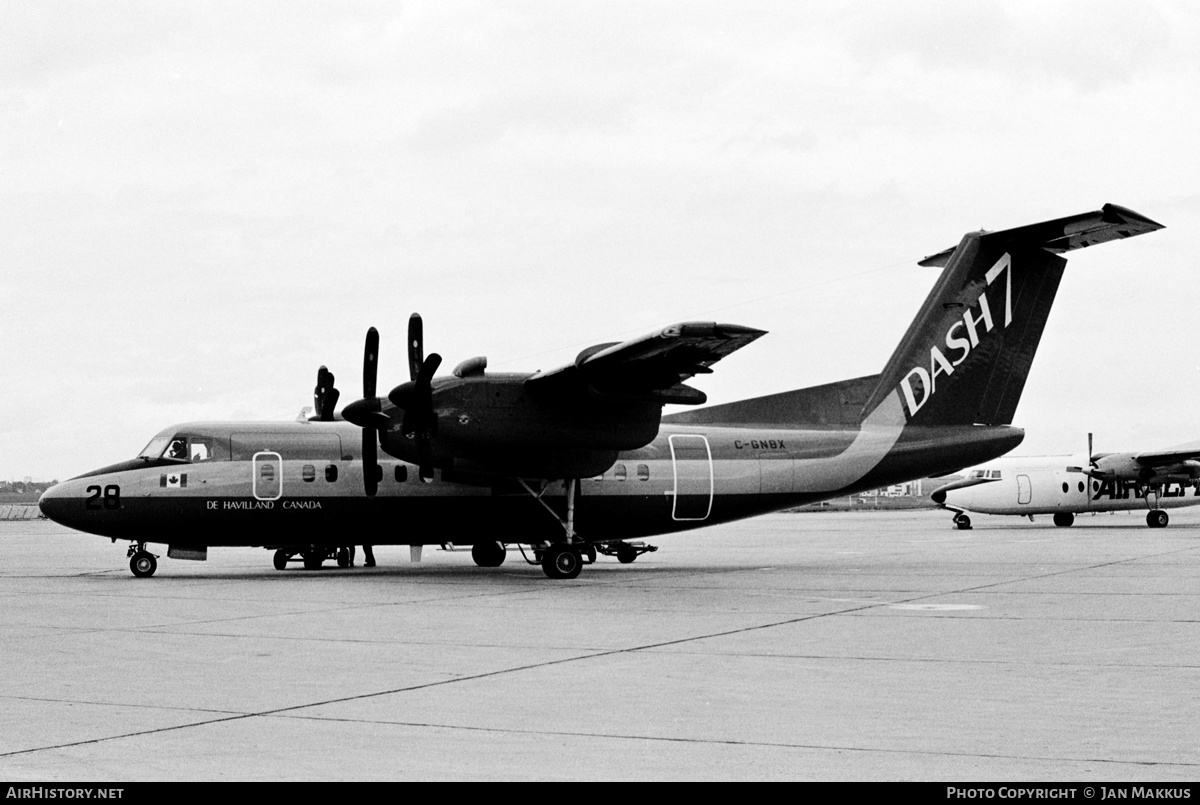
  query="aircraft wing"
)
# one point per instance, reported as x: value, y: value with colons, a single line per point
x: 651, y: 367
x: 1110, y: 222
x: 1185, y: 452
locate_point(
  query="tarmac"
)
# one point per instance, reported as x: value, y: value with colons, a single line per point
x: 816, y: 646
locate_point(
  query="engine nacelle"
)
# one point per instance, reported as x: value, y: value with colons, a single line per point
x: 493, y: 421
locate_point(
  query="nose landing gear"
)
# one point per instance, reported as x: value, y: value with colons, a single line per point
x: 141, y: 562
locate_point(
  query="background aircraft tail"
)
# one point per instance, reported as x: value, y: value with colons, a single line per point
x: 967, y: 354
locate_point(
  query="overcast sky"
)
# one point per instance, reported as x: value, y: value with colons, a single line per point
x: 202, y: 202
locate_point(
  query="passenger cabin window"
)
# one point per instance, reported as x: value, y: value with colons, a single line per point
x: 331, y: 473
x: 308, y: 473
x: 401, y: 473
x: 290, y: 446
x: 619, y: 472
x: 643, y: 472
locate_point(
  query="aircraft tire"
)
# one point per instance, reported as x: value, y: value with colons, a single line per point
x: 589, y: 551
x: 1157, y: 519
x: 963, y: 522
x: 280, y: 559
x: 143, y: 564
x: 562, y: 561
x: 343, y: 557
x: 1064, y: 519
x: 313, y: 560
x: 626, y: 554
x: 488, y: 554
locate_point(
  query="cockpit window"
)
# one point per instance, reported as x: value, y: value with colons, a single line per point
x: 207, y: 448
x: 976, y: 474
x: 994, y: 474
x: 187, y: 447
x: 156, y: 447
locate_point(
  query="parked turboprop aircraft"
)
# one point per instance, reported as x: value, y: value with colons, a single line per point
x: 1068, y: 485
x: 580, y: 459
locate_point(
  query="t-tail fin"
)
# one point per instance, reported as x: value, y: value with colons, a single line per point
x: 965, y: 357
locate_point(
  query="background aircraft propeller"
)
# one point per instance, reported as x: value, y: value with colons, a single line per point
x: 1093, y: 468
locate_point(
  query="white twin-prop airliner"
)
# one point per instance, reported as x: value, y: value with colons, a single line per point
x: 1068, y: 485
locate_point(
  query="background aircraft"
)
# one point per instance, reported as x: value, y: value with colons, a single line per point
x: 1068, y: 485
x: 580, y: 459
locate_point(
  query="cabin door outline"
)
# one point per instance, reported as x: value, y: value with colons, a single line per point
x: 692, y: 466
x: 1024, y: 490
x: 266, y: 475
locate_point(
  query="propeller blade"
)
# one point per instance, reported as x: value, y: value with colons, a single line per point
x: 371, y: 468
x: 425, y: 381
x: 325, y: 396
x: 416, y: 397
x: 425, y: 456
x: 1091, y: 460
x: 370, y: 363
x: 416, y: 346
x: 368, y: 414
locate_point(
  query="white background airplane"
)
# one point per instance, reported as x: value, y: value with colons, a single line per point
x: 1068, y: 485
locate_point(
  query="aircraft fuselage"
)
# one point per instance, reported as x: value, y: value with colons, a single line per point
x: 302, y: 483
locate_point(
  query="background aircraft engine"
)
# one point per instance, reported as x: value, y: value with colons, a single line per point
x: 1120, y: 467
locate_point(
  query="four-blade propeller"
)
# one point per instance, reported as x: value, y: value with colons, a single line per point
x: 325, y: 396
x: 415, y: 397
x: 368, y: 414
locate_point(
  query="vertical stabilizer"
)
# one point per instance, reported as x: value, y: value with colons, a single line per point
x: 967, y: 354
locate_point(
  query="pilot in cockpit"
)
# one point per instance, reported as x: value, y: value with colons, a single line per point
x: 177, y: 449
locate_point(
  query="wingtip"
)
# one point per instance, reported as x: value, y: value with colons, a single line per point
x: 1118, y: 214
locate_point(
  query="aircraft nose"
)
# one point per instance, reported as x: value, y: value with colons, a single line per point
x: 939, y: 496
x: 56, y: 503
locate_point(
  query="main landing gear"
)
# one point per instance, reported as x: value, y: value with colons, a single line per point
x: 142, y: 562
x: 1156, y: 517
x: 565, y: 559
x: 1064, y: 519
x: 562, y: 561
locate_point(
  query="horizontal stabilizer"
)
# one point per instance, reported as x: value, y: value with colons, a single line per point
x: 1111, y: 222
x: 832, y: 404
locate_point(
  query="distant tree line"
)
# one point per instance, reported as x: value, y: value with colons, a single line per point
x: 23, y: 488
